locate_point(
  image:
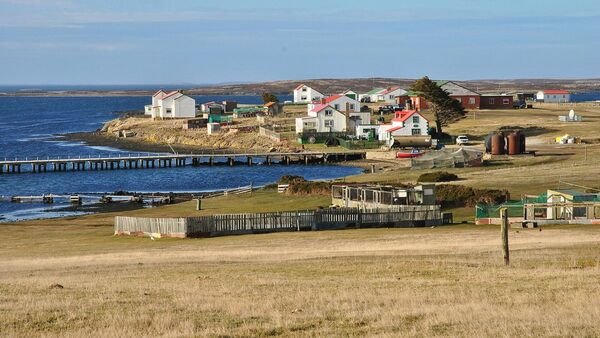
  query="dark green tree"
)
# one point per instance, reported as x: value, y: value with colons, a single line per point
x: 445, y: 109
x: 269, y: 97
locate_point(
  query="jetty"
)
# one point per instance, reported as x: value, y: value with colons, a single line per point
x: 143, y: 161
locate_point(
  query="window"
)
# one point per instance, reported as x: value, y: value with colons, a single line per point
x: 329, y: 123
x: 169, y: 110
x: 336, y: 106
x: 471, y: 100
x: 328, y: 112
x: 415, y: 119
x: 351, y: 106
x: 492, y: 100
x: 303, y: 98
x: 505, y: 101
x: 416, y: 131
x: 304, y: 89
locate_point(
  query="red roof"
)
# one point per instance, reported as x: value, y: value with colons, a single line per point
x: 390, y: 89
x: 556, y: 91
x: 391, y: 130
x: 158, y: 92
x: 333, y: 98
x: 402, y: 116
x: 171, y: 94
x: 318, y: 107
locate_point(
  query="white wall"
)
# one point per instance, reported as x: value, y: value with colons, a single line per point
x: 391, y: 96
x: 341, y: 104
x: 306, y: 96
x: 321, y: 119
x: 184, y: 107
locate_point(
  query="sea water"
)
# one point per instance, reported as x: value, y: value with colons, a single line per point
x: 29, y: 126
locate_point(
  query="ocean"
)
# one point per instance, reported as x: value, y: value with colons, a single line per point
x: 28, y: 128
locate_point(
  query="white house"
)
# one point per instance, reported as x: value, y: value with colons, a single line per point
x: 371, y: 96
x: 406, y: 123
x: 350, y: 93
x: 324, y: 118
x: 553, y: 96
x: 171, y: 105
x: 389, y: 95
x: 205, y: 107
x: 340, y: 102
x: 306, y: 94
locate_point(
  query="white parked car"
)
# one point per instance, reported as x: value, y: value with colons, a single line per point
x: 462, y: 139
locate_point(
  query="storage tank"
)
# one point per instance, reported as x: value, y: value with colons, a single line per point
x: 513, y: 143
x: 413, y: 141
x: 522, y: 142
x: 488, y: 143
x: 498, y: 144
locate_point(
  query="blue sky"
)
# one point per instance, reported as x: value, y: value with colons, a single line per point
x: 207, y: 41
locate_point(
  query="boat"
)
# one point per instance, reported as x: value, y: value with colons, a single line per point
x: 412, y: 154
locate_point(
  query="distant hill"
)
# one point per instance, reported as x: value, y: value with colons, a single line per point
x: 328, y: 86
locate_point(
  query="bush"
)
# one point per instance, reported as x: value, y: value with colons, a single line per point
x: 439, y: 176
x: 460, y: 196
x: 289, y: 179
x: 309, y: 188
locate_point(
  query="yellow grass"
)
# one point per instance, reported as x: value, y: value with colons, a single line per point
x: 446, y: 281
x: 522, y: 175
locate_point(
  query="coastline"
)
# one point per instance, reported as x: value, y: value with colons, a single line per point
x: 101, y: 139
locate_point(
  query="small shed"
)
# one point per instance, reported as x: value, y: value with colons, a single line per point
x: 196, y: 123
x: 274, y: 108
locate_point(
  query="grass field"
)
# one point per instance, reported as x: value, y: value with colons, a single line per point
x: 445, y: 281
x: 70, y: 277
x: 522, y: 175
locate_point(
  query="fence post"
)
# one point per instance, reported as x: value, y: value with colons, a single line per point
x: 504, y: 234
x: 199, y: 204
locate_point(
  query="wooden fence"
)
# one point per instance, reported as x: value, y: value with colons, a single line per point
x: 325, y: 219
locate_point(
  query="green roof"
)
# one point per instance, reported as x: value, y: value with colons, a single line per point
x: 412, y: 93
x: 375, y: 91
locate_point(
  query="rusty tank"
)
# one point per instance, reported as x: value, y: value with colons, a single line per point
x: 498, y: 144
x: 513, y: 145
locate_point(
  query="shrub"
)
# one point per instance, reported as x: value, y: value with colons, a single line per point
x: 439, y: 176
x: 289, y: 179
x: 450, y: 195
x: 309, y: 188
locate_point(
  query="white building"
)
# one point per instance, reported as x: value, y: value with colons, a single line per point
x: 171, y: 105
x: 389, y: 95
x: 553, y: 96
x: 323, y: 118
x: 371, y: 96
x: 406, y: 123
x: 350, y: 93
x: 306, y: 94
x: 340, y: 102
x: 205, y: 107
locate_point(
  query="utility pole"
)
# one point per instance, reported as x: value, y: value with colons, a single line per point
x: 504, y: 235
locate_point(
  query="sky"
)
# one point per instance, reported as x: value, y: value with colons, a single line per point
x: 220, y: 41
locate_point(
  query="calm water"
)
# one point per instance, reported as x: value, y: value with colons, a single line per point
x: 28, y: 126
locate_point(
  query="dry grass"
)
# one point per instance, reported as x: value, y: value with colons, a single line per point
x: 522, y: 175
x: 445, y: 281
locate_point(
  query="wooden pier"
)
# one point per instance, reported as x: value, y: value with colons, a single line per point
x: 143, y: 161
